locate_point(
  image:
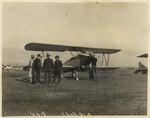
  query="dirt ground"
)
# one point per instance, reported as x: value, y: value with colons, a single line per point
x: 117, y: 92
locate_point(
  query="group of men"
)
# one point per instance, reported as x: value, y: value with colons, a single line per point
x: 35, y: 68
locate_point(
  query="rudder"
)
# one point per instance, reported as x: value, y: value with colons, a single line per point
x: 141, y: 65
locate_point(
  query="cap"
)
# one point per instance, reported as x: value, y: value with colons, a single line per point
x: 38, y: 55
x: 56, y: 56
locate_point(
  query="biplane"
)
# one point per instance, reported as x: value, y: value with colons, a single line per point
x: 142, y: 68
x: 79, y: 62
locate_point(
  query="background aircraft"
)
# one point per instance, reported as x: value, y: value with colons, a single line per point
x: 143, y: 56
x: 80, y: 62
x: 142, y: 68
x: 10, y: 67
x: 6, y: 66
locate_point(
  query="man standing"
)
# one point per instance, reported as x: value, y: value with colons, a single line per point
x: 94, y: 67
x: 57, y: 69
x: 37, y: 66
x: 31, y: 70
x: 48, y: 68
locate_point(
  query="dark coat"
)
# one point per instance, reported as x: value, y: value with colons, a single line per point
x: 37, y: 64
x: 57, y: 66
x: 85, y: 60
x: 94, y: 61
x: 48, y: 65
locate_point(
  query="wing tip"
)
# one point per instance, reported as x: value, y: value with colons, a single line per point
x: 143, y: 55
x: 26, y: 46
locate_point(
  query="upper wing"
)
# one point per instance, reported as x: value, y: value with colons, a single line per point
x: 63, y: 48
x: 144, y: 56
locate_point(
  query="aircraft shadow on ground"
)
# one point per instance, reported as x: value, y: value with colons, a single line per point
x: 80, y: 78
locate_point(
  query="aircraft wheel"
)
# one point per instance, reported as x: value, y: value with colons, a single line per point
x: 75, y: 75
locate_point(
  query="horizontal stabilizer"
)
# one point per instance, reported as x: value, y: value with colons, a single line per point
x: 143, y: 56
x: 137, y: 71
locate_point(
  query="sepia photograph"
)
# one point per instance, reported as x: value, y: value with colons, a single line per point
x: 74, y: 58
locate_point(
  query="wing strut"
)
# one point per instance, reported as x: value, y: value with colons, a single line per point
x: 42, y: 60
x: 106, y: 60
x: 71, y: 53
x: 102, y: 61
x: 43, y: 54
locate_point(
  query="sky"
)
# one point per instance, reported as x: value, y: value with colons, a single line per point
x: 100, y: 25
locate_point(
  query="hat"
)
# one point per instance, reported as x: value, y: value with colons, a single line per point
x: 48, y: 54
x: 38, y: 55
x: 56, y: 56
x: 32, y: 55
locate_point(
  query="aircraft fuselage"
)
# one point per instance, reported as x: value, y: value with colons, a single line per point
x: 76, y: 62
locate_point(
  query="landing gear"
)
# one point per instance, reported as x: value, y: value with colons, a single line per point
x: 75, y: 75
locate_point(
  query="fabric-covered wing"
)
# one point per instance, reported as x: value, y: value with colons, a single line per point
x: 144, y: 56
x: 63, y: 48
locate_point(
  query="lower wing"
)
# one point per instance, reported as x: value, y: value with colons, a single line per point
x: 107, y: 68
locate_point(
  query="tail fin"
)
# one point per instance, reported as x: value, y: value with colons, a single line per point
x: 141, y: 66
x: 142, y: 69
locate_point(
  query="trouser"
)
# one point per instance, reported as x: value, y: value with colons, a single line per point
x: 91, y: 74
x: 95, y: 73
x: 32, y: 79
x: 57, y: 75
x: 38, y: 75
x: 47, y: 75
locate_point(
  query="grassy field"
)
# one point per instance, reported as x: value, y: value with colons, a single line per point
x: 118, y: 92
